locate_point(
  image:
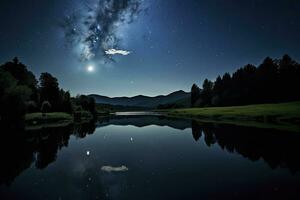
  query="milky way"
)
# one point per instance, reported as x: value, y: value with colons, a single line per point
x: 93, y: 30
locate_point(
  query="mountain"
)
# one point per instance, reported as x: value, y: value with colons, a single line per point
x: 142, y: 101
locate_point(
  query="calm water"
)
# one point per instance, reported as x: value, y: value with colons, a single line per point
x: 150, y: 157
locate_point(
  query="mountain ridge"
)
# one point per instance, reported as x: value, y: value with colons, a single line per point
x: 141, y: 100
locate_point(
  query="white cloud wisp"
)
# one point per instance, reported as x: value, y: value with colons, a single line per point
x: 116, y: 51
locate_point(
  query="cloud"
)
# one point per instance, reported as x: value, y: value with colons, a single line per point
x: 115, y: 51
x: 94, y: 30
x: 108, y: 168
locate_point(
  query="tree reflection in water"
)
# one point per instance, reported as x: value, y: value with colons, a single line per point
x: 276, y: 148
x: 19, y: 149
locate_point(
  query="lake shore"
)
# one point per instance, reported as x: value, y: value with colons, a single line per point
x: 281, y: 116
x: 34, y: 121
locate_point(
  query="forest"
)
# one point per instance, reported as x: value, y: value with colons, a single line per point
x: 273, y: 81
x: 22, y: 93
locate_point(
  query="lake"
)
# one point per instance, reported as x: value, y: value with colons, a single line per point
x: 141, y: 156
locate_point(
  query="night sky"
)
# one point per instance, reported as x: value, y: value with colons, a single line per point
x: 150, y: 47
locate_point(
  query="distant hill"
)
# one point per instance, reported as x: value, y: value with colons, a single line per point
x: 142, y: 101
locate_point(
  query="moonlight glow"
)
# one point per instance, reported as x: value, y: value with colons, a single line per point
x: 90, y: 68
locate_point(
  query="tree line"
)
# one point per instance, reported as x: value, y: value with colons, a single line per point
x: 273, y: 81
x: 21, y: 93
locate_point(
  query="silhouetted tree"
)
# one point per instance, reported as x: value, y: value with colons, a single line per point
x: 217, y: 92
x: 227, y: 89
x: 86, y: 103
x: 22, y: 76
x: 19, y: 93
x: 195, y: 94
x: 206, y: 93
x: 66, y: 102
x: 49, y: 90
x: 272, y: 81
x: 267, y: 81
x: 46, y: 107
x: 12, y: 98
x: 242, y: 84
x: 288, y: 88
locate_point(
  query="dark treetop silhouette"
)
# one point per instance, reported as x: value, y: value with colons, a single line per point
x: 272, y: 81
x: 21, y: 93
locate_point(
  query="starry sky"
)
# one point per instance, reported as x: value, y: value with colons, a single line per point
x: 149, y: 47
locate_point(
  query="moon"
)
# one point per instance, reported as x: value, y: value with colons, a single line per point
x: 90, y: 68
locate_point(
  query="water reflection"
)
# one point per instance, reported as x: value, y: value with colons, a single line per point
x: 146, y: 120
x: 20, y: 150
x: 276, y: 148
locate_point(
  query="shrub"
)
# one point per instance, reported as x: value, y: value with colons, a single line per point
x: 46, y: 106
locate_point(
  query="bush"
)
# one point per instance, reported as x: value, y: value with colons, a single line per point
x: 46, y: 106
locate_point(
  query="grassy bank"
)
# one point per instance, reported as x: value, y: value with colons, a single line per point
x: 284, y: 116
x: 55, y: 119
x: 55, y: 116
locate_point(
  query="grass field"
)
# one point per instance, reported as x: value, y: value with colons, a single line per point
x: 55, y: 119
x: 285, y: 116
x: 48, y: 116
